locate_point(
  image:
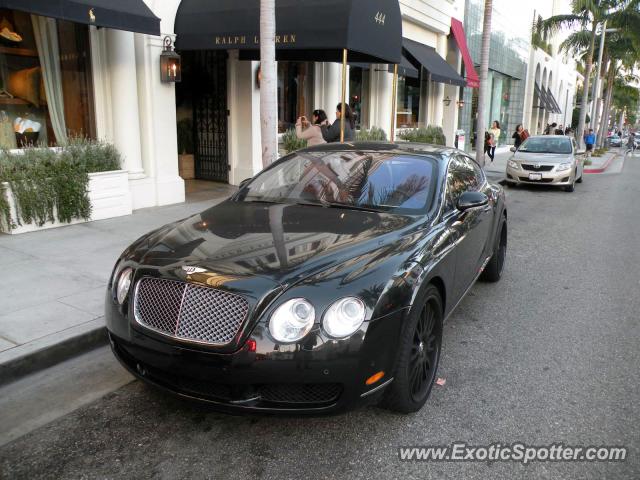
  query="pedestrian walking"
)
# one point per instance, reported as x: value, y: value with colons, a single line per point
x: 331, y: 133
x: 311, y: 131
x: 590, y: 141
x: 519, y: 136
x: 494, y: 135
x: 559, y: 130
x: 631, y: 144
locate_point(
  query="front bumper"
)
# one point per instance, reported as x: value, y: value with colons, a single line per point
x: 316, y: 375
x: 521, y: 176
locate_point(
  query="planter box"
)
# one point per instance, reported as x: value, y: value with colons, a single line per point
x: 186, y: 166
x: 108, y: 192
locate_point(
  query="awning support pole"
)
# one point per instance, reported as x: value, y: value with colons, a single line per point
x: 344, y: 93
x: 394, y: 101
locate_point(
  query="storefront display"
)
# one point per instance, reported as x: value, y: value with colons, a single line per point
x: 45, y: 81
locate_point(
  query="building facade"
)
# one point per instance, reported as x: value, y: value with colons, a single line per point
x: 551, y: 72
x: 105, y: 83
x: 509, y: 55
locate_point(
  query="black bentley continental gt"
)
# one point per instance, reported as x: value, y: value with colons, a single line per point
x: 320, y: 285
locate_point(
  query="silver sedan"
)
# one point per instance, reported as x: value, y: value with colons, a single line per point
x: 548, y: 160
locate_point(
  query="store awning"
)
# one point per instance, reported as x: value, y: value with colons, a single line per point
x: 552, y: 99
x: 542, y: 97
x: 457, y: 29
x: 419, y: 54
x: 306, y: 30
x: 130, y: 15
x: 406, y: 69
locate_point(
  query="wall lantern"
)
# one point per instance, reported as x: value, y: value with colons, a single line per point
x: 447, y: 101
x: 460, y: 103
x: 170, y: 68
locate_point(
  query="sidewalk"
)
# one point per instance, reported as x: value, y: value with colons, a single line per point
x: 53, y: 282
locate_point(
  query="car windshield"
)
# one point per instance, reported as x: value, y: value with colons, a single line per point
x: 546, y: 145
x: 358, y: 180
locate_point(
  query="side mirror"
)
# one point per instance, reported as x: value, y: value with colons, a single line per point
x: 580, y: 152
x: 513, y: 149
x: 472, y: 200
x: 243, y: 183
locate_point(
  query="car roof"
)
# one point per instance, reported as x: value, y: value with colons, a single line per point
x: 388, y: 147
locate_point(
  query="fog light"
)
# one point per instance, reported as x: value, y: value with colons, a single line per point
x: 374, y: 378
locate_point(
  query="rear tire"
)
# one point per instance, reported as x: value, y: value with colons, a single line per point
x: 418, y: 356
x: 493, y: 270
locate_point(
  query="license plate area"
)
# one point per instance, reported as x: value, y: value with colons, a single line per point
x: 535, y: 176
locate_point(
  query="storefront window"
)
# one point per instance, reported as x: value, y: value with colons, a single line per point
x: 295, y: 93
x: 45, y: 81
x: 358, y: 86
x: 408, y: 102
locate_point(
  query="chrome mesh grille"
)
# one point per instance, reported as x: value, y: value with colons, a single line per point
x: 189, y: 312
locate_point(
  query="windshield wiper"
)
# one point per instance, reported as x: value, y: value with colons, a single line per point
x: 350, y: 207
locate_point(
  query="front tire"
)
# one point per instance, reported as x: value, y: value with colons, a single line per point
x: 418, y: 357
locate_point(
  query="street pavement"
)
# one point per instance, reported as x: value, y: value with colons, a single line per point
x: 548, y: 355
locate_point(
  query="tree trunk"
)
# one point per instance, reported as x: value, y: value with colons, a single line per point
x: 483, y: 94
x: 268, y: 82
x: 606, y: 109
x: 585, y: 90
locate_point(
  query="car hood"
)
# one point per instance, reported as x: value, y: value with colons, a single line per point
x: 542, y: 157
x: 283, y: 243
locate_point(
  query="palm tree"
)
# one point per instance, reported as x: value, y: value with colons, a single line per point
x: 268, y: 81
x: 483, y: 94
x: 587, y: 14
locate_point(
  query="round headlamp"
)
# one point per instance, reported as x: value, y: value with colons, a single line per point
x: 344, y: 317
x: 292, y: 320
x: 123, y: 284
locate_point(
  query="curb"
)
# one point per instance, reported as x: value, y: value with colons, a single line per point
x: 26, y: 359
x: 604, y: 167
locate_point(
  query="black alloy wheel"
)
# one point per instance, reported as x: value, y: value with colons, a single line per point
x: 418, y: 355
x: 425, y: 352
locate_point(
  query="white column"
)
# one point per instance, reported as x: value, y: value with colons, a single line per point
x: 381, y: 90
x: 156, y: 129
x: 124, y: 100
x: 328, y: 85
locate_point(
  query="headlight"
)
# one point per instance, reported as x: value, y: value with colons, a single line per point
x: 292, y: 320
x: 344, y: 317
x: 514, y: 165
x: 563, y: 166
x: 124, y: 282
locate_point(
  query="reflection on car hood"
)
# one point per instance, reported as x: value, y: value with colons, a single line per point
x: 282, y: 242
x: 542, y: 157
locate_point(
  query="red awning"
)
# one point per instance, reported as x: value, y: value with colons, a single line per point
x: 461, y: 39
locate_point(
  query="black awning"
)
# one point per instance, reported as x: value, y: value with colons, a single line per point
x: 406, y: 68
x: 419, y: 54
x: 552, y: 99
x: 542, y: 98
x: 130, y: 15
x: 306, y: 30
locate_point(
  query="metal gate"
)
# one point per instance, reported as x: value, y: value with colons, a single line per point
x: 210, y: 115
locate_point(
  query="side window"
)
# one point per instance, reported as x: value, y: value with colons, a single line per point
x: 463, y: 175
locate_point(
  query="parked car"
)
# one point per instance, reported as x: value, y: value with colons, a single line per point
x: 546, y: 159
x: 321, y: 285
x: 614, y: 141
